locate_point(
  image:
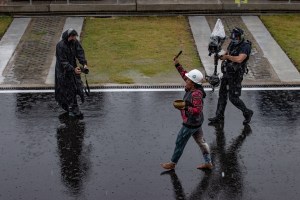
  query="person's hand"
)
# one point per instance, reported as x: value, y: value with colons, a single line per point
x: 85, y: 69
x: 77, y: 70
x: 223, y: 57
x: 176, y: 61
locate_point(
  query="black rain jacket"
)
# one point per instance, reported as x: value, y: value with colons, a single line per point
x: 67, y: 84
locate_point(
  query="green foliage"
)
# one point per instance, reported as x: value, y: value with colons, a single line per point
x: 116, y: 47
x: 285, y: 29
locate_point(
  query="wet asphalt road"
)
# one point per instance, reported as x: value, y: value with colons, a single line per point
x: 115, y: 151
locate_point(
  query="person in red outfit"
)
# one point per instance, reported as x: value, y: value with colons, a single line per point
x: 192, y: 117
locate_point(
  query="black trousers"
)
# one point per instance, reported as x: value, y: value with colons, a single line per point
x: 232, y: 87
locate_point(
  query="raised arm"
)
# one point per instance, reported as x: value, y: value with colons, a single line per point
x: 180, y: 69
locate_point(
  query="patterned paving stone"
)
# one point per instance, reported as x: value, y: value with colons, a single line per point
x: 32, y: 58
x: 259, y: 67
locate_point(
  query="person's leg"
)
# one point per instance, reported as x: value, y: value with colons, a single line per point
x: 235, y: 90
x: 222, y: 102
x: 74, y: 110
x: 198, y: 137
x: 65, y: 107
x: 182, y: 138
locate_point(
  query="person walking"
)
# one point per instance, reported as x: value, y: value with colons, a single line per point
x: 234, y: 66
x: 68, y: 82
x: 192, y: 115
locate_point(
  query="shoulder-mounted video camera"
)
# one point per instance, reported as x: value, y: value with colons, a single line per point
x: 215, y: 45
x: 216, y: 41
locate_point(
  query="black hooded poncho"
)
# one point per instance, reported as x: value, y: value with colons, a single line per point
x: 67, y: 84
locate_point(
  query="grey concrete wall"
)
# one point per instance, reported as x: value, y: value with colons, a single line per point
x: 201, y: 6
x: 24, y: 8
x: 252, y: 7
x: 184, y: 5
x: 91, y: 8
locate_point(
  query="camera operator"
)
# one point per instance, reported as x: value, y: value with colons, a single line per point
x: 68, y: 82
x: 233, y: 67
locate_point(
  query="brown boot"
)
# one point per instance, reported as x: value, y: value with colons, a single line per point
x: 205, y: 166
x: 168, y: 165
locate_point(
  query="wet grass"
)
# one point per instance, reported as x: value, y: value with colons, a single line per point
x: 5, y: 21
x: 285, y: 29
x: 144, y: 46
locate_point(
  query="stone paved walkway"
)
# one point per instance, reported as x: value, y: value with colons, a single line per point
x: 279, y: 61
x: 10, y: 41
x: 34, y: 58
x: 71, y: 22
x: 259, y: 67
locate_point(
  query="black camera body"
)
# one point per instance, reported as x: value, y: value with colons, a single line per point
x: 84, y: 70
x: 215, y: 45
x: 213, y: 80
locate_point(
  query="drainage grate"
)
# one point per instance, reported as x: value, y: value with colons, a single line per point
x: 120, y: 87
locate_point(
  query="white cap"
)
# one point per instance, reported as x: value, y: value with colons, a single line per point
x: 195, y: 75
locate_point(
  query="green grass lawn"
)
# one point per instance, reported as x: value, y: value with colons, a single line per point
x: 4, y: 23
x: 286, y: 31
x: 125, y: 50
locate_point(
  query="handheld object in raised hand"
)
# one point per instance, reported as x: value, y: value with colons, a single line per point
x: 180, y: 52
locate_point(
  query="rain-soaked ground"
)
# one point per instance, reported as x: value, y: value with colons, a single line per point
x: 115, y: 151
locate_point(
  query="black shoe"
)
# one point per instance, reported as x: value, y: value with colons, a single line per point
x: 247, y: 130
x: 80, y: 116
x: 248, y: 117
x: 77, y: 115
x: 218, y: 126
x: 216, y: 119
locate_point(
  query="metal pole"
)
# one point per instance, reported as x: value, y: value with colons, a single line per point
x: 30, y: 2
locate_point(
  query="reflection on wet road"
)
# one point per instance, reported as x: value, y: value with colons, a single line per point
x: 73, y: 158
x: 115, y: 151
